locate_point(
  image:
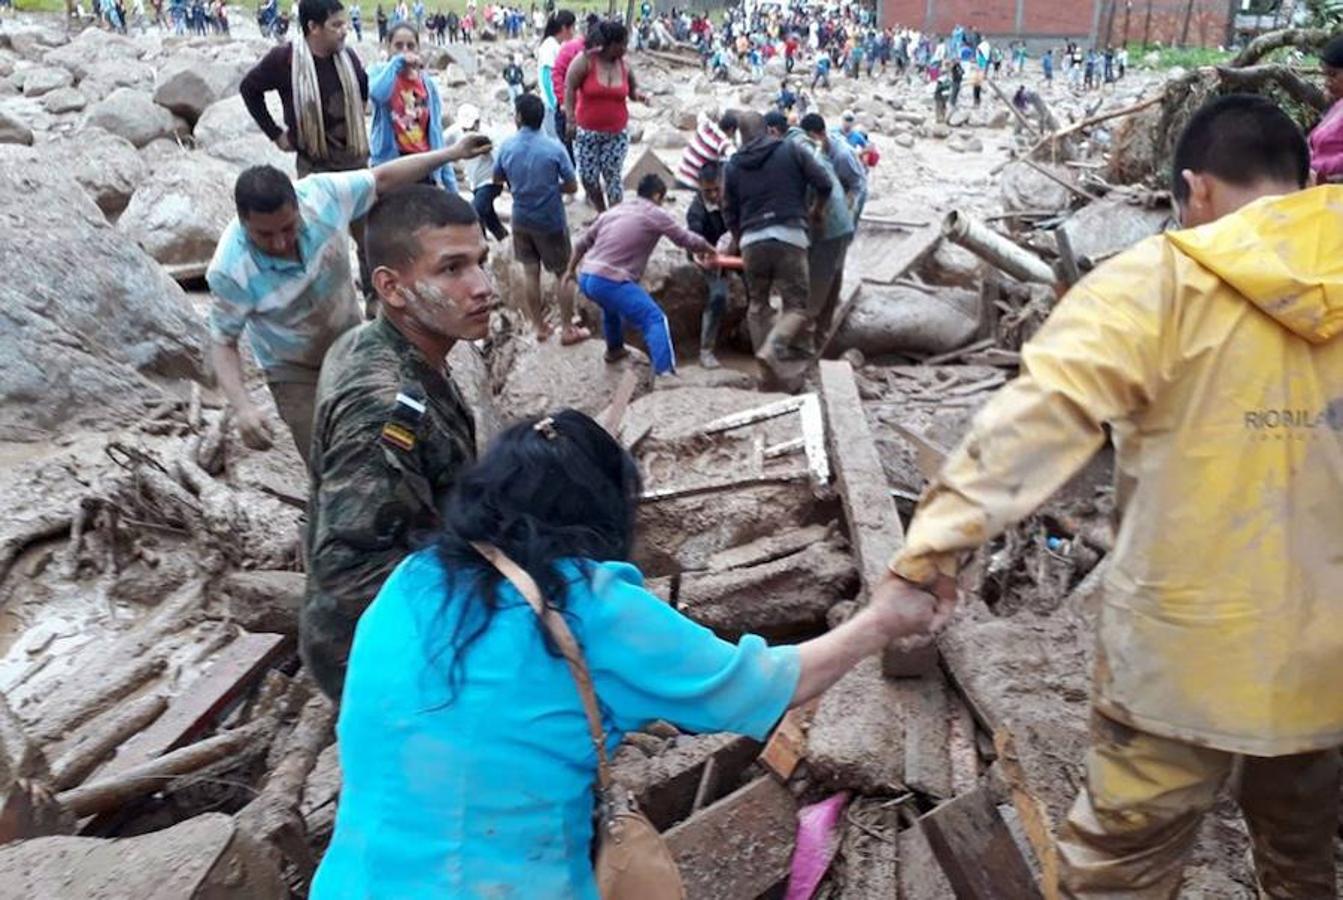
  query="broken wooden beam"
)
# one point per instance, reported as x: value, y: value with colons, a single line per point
x: 875, y: 530
x: 111, y: 792
x: 976, y: 850
x: 666, y: 786
x: 813, y: 441
x: 87, y: 752
x: 786, y: 747
x: 614, y: 414
x: 1031, y: 812
x: 907, y: 254
x: 739, y: 847
x: 768, y: 549
x: 713, y: 487
x: 196, y: 710
x: 755, y: 414
x: 995, y: 249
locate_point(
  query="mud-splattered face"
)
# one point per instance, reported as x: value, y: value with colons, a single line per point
x: 446, y: 291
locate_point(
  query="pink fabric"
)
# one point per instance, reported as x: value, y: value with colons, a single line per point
x: 618, y: 244
x: 568, y: 51
x: 1326, y: 144
x: 817, y: 842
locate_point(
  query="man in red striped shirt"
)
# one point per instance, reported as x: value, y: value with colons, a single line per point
x: 711, y: 143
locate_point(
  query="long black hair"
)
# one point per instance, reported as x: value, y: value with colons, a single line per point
x: 546, y: 490
x: 558, y: 22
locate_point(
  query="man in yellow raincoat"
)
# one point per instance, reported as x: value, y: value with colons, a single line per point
x: 1211, y: 354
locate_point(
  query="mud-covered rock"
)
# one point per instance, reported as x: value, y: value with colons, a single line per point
x: 188, y: 86
x: 45, y: 79
x: 12, y: 131
x: 132, y: 115
x: 86, y: 317
x: 899, y: 319
x: 105, y: 165
x: 64, y: 100
x: 179, y: 214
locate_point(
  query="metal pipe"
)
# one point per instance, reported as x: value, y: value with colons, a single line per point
x: 995, y: 249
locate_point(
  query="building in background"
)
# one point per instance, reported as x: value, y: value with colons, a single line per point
x: 1098, y: 22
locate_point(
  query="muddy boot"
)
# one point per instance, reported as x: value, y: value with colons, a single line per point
x: 783, y: 364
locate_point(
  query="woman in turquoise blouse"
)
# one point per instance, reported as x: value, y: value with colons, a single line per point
x: 468, y: 770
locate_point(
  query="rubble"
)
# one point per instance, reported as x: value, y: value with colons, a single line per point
x: 152, y: 565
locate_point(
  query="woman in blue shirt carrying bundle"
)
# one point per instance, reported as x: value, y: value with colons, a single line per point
x: 466, y: 756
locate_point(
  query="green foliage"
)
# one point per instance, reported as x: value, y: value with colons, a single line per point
x: 1184, y: 57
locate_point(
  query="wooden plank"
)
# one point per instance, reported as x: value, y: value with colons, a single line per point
x: 611, y: 417
x: 786, y: 448
x: 927, y: 754
x: 921, y: 878
x: 755, y: 414
x: 976, y: 850
x: 905, y: 255
x: 962, y: 746
x: 928, y: 454
x: 875, y: 531
x: 786, y: 747
x: 197, y: 708
x: 712, y: 487
x: 1031, y: 812
x: 739, y: 847
x: 768, y: 549
x: 813, y: 441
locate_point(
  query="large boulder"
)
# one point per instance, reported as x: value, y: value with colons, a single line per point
x: 106, y: 166
x: 464, y: 57
x: 132, y: 115
x: 105, y: 77
x: 90, y: 47
x: 907, y: 320
x: 86, y: 317
x: 228, y: 119
x: 64, y: 100
x: 31, y: 42
x: 1024, y: 189
x: 45, y: 79
x: 12, y: 131
x: 188, y: 86
x: 253, y: 150
x: 178, y: 215
x: 532, y: 378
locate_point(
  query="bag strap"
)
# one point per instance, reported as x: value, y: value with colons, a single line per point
x: 564, y: 639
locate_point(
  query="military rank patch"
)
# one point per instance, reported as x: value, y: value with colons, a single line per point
x: 399, y: 431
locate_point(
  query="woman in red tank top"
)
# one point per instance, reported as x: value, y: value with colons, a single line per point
x: 597, y: 89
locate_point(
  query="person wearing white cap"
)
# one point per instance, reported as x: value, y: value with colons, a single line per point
x: 407, y: 110
x: 480, y: 172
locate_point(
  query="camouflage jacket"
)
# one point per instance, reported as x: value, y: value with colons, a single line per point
x: 390, y: 434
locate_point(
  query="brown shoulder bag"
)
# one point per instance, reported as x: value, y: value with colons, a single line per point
x: 633, y: 862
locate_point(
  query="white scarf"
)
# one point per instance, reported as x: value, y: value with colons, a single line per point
x: 311, y: 136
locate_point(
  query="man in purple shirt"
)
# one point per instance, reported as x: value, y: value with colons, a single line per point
x: 609, y: 260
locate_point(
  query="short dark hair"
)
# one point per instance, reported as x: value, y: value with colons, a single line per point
x: 651, y: 185
x: 728, y: 121
x: 1332, y: 54
x: 262, y: 189
x: 316, y: 12
x: 531, y: 111
x: 812, y: 123
x: 558, y: 22
x: 710, y: 171
x: 1241, y: 139
x: 777, y: 120
x: 394, y: 219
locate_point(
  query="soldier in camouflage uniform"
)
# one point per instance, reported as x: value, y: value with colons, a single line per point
x: 392, y: 431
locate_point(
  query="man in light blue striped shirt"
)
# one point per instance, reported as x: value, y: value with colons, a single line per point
x: 281, y: 272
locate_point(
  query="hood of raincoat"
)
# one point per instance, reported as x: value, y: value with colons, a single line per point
x: 1284, y: 254
x: 756, y: 153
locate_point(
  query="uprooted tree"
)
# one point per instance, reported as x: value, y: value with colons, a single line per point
x: 1144, y: 143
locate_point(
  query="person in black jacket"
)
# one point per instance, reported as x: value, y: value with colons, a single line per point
x: 705, y: 218
x: 767, y: 212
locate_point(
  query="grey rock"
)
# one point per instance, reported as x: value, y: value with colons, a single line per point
x: 188, y: 86
x: 105, y: 77
x: 133, y: 115
x: 64, y: 100
x: 44, y: 80
x: 106, y: 166
x: 12, y: 131
x: 87, y: 315
x: 179, y: 214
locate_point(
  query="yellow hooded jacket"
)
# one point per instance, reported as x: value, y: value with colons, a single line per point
x: 1212, y: 355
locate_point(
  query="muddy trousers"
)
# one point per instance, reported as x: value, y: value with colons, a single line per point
x: 297, y: 403
x: 711, y: 322
x: 1131, y: 830
x: 769, y: 266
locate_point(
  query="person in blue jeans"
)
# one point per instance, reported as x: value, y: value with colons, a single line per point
x: 466, y: 762
x: 610, y: 258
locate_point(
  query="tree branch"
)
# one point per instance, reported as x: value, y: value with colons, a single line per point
x: 1304, y: 39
